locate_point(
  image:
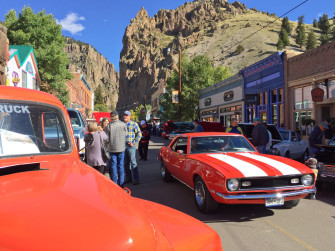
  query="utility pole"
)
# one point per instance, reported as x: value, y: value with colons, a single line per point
x: 179, y: 96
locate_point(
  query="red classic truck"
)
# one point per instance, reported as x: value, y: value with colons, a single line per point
x: 50, y: 200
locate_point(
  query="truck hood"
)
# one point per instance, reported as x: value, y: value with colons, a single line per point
x: 71, y: 207
x: 239, y: 165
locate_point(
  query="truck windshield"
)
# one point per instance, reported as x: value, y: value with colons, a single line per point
x: 30, y: 129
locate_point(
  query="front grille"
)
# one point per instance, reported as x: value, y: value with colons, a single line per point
x: 270, y: 182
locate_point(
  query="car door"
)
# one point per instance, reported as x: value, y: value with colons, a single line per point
x: 295, y: 145
x: 176, y: 157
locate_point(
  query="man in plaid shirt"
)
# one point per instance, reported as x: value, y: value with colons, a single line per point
x: 133, y: 136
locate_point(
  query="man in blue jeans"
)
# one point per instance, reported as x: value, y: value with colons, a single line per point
x: 133, y: 136
x: 116, y: 131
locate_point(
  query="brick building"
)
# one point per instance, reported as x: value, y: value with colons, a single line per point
x: 304, y: 73
x: 80, y: 94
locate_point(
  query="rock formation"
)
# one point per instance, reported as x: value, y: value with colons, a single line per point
x: 96, y: 69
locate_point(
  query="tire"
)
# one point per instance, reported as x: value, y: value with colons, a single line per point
x: 291, y: 203
x: 319, y: 184
x: 165, y: 174
x: 203, y: 199
x: 287, y: 155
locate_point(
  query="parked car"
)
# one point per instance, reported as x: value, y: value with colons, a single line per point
x: 79, y: 126
x: 226, y: 168
x: 326, y: 163
x: 50, y: 200
x: 292, y: 146
x: 180, y: 127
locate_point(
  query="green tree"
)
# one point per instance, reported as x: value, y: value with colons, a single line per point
x: 286, y: 25
x: 98, y: 98
x: 283, y: 36
x: 324, y: 38
x: 311, y: 41
x: 101, y: 108
x: 301, y: 36
x: 315, y: 23
x: 45, y: 35
x: 333, y: 33
x: 324, y: 24
x: 196, y: 74
x: 280, y: 44
x: 239, y: 49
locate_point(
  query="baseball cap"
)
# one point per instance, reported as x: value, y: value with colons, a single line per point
x: 128, y: 113
x: 257, y: 119
x: 143, y: 122
x: 114, y: 113
x: 324, y: 124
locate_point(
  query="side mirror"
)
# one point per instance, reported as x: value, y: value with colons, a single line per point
x: 127, y: 190
x: 180, y: 151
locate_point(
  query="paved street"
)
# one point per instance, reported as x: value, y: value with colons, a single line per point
x: 309, y: 226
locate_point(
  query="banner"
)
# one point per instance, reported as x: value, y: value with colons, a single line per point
x: 175, y: 97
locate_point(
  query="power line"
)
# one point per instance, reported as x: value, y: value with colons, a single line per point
x: 268, y: 24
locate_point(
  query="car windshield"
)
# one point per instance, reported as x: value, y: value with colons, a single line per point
x: 210, y: 144
x: 30, y: 128
x: 285, y: 135
x: 183, y: 127
x: 75, y: 120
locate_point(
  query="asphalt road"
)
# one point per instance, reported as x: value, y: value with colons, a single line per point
x: 309, y: 226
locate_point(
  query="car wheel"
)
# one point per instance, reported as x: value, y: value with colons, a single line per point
x: 287, y: 154
x: 291, y: 203
x: 165, y: 174
x: 203, y: 199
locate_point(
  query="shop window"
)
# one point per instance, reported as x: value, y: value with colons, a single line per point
x: 297, y: 98
x: 307, y: 97
x: 331, y: 88
x: 208, y: 101
x: 239, y: 108
x: 274, y: 114
x: 274, y: 96
x: 280, y: 95
x: 324, y: 88
x: 24, y: 79
x: 34, y: 84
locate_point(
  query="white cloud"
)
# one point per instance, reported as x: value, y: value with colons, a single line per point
x: 71, y: 23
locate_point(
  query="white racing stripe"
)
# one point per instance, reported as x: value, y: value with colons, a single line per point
x: 247, y: 169
x: 280, y: 166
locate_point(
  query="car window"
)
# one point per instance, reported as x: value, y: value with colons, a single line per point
x: 75, y: 119
x: 180, y: 144
x: 285, y: 135
x: 30, y: 128
x: 293, y: 136
x: 210, y: 144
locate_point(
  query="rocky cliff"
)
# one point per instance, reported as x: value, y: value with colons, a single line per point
x: 209, y: 27
x: 96, y: 69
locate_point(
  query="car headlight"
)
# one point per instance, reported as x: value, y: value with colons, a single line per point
x: 233, y: 184
x: 274, y: 151
x: 307, y: 180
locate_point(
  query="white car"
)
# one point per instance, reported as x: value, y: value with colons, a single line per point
x: 292, y: 146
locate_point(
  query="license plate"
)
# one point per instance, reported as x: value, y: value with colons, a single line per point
x: 272, y: 202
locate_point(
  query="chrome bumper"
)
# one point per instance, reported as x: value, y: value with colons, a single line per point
x: 265, y: 196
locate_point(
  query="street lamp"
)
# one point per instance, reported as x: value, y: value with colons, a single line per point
x: 179, y: 93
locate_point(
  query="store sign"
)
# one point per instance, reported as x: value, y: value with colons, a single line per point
x: 251, y: 99
x: 228, y: 96
x: 15, y: 78
x: 208, y: 101
x: 317, y: 94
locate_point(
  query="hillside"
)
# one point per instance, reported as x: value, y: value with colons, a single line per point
x: 209, y: 27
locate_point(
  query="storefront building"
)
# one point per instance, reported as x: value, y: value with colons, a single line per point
x: 310, y: 90
x: 4, y: 55
x: 155, y: 100
x: 80, y: 94
x: 22, y: 70
x: 222, y: 101
x: 264, y: 90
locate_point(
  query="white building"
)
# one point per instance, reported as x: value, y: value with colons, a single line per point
x: 22, y: 70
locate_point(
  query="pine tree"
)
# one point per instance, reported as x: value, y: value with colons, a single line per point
x: 333, y: 34
x: 98, y: 98
x: 311, y: 41
x: 280, y: 44
x: 324, y: 24
x: 301, y: 36
x: 324, y: 38
x: 284, y: 37
x: 286, y: 25
x: 315, y: 23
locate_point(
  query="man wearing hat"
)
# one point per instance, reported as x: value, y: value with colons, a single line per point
x: 315, y: 137
x: 144, y: 142
x: 116, y: 131
x: 133, y: 136
x: 260, y: 136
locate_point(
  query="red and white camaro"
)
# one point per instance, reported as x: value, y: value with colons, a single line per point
x: 226, y: 168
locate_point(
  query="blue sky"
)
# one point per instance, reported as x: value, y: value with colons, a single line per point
x: 102, y: 23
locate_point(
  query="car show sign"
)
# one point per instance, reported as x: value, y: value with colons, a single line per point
x: 317, y: 94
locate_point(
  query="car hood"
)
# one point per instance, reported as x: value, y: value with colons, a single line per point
x: 71, y: 207
x: 234, y: 165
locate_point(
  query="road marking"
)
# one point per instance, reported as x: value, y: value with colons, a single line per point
x: 291, y: 236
